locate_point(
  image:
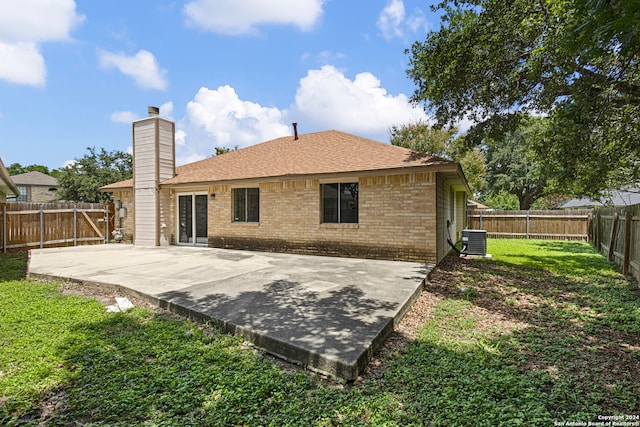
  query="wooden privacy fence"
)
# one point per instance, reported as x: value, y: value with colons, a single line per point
x: 616, y: 233
x: 31, y: 225
x: 548, y: 225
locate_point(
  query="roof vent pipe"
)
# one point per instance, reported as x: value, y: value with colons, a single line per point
x: 295, y: 131
x: 153, y: 111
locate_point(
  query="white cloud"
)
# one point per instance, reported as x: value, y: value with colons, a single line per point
x: 181, y: 137
x: 235, y: 17
x: 23, y: 26
x: 124, y: 117
x: 166, y: 110
x: 219, y: 118
x: 69, y: 163
x: 22, y: 63
x: 37, y: 20
x: 142, y: 67
x: 391, y: 18
x: 393, y: 21
x: 326, y: 99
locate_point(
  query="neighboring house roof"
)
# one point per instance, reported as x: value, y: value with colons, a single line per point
x: 7, y: 186
x: 317, y: 153
x: 615, y: 198
x: 475, y: 205
x: 35, y: 178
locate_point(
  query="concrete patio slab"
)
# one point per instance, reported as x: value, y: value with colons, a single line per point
x: 328, y: 314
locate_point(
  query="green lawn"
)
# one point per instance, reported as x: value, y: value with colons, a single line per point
x: 544, y: 332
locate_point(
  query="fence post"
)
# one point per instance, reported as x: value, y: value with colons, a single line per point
x: 626, y: 260
x: 527, y: 230
x: 595, y: 225
x: 612, y: 240
x: 75, y: 225
x: 480, y: 219
x: 4, y: 228
x: 41, y: 226
x: 106, y: 223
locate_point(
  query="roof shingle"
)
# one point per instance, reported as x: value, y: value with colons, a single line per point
x: 311, y: 154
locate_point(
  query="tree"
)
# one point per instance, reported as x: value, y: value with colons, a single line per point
x: 420, y: 137
x: 573, y: 60
x: 81, y: 180
x: 223, y: 150
x: 513, y: 167
x: 17, y: 169
x: 501, y: 200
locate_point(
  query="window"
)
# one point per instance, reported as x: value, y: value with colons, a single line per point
x: 246, y: 205
x: 340, y: 203
x: 23, y: 193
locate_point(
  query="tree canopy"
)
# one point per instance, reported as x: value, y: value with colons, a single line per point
x: 17, y: 169
x: 223, y: 150
x: 574, y: 61
x: 80, y: 181
x: 421, y: 137
x: 514, y: 168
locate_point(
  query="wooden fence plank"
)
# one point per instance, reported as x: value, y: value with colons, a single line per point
x: 84, y: 214
x: 28, y: 225
x: 552, y: 224
x: 626, y: 257
x: 612, y: 239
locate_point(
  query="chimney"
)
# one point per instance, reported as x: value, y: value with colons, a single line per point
x: 153, y: 162
x: 295, y: 131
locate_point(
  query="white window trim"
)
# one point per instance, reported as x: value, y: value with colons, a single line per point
x: 177, y: 216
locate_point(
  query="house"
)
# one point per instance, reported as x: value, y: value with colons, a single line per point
x: 35, y: 187
x: 327, y: 193
x: 473, y: 204
x: 7, y: 186
x: 615, y: 198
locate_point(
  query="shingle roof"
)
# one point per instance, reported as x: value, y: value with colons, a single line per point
x: 34, y: 178
x: 312, y: 154
x: 616, y: 198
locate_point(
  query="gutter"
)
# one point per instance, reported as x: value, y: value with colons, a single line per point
x: 6, y: 179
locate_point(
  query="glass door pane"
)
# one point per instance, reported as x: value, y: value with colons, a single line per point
x: 185, y: 219
x: 200, y: 218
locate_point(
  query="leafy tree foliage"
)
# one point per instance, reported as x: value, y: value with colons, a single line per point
x: 501, y: 200
x: 17, y: 169
x: 575, y: 60
x: 222, y: 150
x: 513, y: 167
x: 81, y: 180
x: 420, y: 137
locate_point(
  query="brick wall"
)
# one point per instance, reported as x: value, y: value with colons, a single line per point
x: 396, y: 219
x: 126, y: 196
x: 41, y: 194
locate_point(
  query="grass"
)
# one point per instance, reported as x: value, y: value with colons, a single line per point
x: 544, y: 332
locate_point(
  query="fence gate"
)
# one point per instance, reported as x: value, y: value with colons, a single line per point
x: 31, y: 225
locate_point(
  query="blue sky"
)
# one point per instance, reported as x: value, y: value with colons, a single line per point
x: 74, y: 74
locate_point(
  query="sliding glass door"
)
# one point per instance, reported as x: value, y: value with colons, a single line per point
x: 192, y: 219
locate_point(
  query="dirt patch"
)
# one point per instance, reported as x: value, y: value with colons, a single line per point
x: 104, y: 295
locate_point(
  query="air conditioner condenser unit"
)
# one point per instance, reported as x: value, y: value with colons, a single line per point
x: 474, y: 242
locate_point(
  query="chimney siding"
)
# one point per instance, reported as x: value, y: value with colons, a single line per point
x: 153, y: 162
